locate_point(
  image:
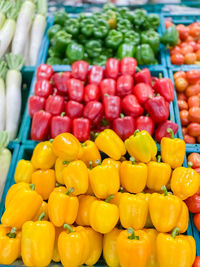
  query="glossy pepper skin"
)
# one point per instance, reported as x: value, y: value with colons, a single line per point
x: 91, y: 93
x: 185, y: 182
x: 168, y: 245
x: 161, y: 130
x: 62, y: 207
x: 132, y: 37
x: 35, y: 103
x: 37, y: 243
x: 81, y: 129
x: 110, y: 143
x: 145, y: 123
x: 183, y: 220
x: 124, y: 126
x: 96, y: 75
x: 152, y: 234
x: 172, y: 206
x: 44, y: 72
x: 141, y: 146
x: 143, y: 91
x: 151, y: 38
x: 193, y: 203
x: 74, y: 51
x: 90, y: 153
x: 112, y: 107
x: 145, y: 55
x: 43, y: 88
x: 131, y: 106
x: 93, y: 111
x: 83, y: 216
x: 23, y: 171
x: 56, y: 255
x: 124, y: 85
x: 40, y: 125
x: 127, y: 66
x: 54, y: 104
x: 61, y: 41
x: 112, y: 68
x: 172, y: 150
x: 159, y: 174
x: 126, y: 50
x: 43, y: 209
x: 80, y: 70
x: 110, y: 248
x: 170, y: 37
x: 10, y: 244
x: 133, y: 176
x: 164, y: 87
x: 133, y: 210
x: 143, y: 76
x: 24, y: 198
x: 114, y: 39
x: 138, y: 245
x: 101, y: 28
x: 60, y: 124
x: 75, y: 90
x: 107, y: 86
x: 59, y: 81
x: 60, y: 164
x: 93, y: 48
x: 74, y: 109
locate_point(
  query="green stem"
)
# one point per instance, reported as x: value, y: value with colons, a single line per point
x: 57, y: 184
x: 90, y: 164
x: 4, y: 139
x: 160, y: 76
x: 104, y: 122
x: 42, y: 215
x: 51, y: 140
x: 107, y: 200
x: 3, y: 69
x: 65, y: 162
x: 138, y: 69
x: 15, y: 62
x: 5, y: 5
x: 32, y: 186
x: 98, y: 162
x: 190, y: 164
x: 62, y: 114
x: 132, y: 234
x: 122, y: 115
x: 68, y: 227
x: 106, y: 95
x: 164, y: 189
x: 159, y: 158
x: 136, y: 132
x: 175, y: 232
x: 132, y: 159
x: 42, y: 7
x: 170, y: 131
x: 12, y: 233
x: 71, y: 190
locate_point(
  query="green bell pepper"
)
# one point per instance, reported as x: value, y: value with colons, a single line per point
x: 170, y: 37
x: 154, y: 21
x: 53, y: 30
x: 114, y: 39
x: 93, y: 48
x: 100, y: 61
x: 72, y: 27
x: 101, y: 28
x: 60, y: 18
x: 124, y: 25
x: 110, y: 17
x: 87, y: 26
x: 108, y: 52
x: 139, y: 17
x: 123, y: 12
x: 109, y: 6
x: 132, y: 37
x: 54, y: 61
x: 66, y: 61
x: 145, y: 55
x: 82, y: 39
x: 75, y: 51
x: 152, y: 38
x: 54, y: 53
x: 126, y: 50
x: 60, y: 41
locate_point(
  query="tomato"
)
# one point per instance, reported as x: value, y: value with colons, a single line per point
x: 179, y: 74
x: 193, y: 44
x: 195, y: 159
x: 197, y: 221
x: 198, y: 46
x: 176, y: 49
x: 194, y: 114
x: 182, y: 104
x: 177, y: 59
x: 194, y: 101
x: 189, y: 39
x: 193, y: 76
x: 184, y: 116
x: 194, y: 129
x: 183, y: 44
x: 198, y: 55
x: 181, y: 84
x: 192, y: 90
x: 183, y: 31
x: 189, y: 139
x: 184, y: 130
x: 196, y: 262
x: 168, y: 24
x: 187, y: 49
x: 182, y: 96
x: 190, y: 58
x: 194, y: 30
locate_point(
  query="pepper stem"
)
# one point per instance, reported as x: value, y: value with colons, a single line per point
x: 132, y: 235
x: 121, y: 115
x: 51, y: 140
x: 32, y: 186
x: 62, y: 114
x: 190, y: 164
x: 107, y: 200
x: 65, y: 162
x: 42, y: 215
x: 106, y: 95
x: 71, y: 190
x: 159, y: 158
x: 160, y: 76
x: 68, y: 227
x: 12, y: 233
x: 136, y: 131
x: 171, y: 132
x: 164, y: 189
x: 175, y: 232
x: 132, y: 159
x: 138, y: 69
x: 98, y: 162
x: 90, y: 164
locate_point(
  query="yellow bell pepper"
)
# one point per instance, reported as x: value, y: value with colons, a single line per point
x: 152, y: 234
x: 62, y: 208
x: 67, y: 147
x: 10, y: 245
x: 183, y: 220
x: 110, y: 248
x: 43, y: 208
x: 85, y: 202
x: 116, y: 199
x: 159, y: 174
x: 37, y: 242
x: 56, y: 255
x: 109, y: 161
x: 23, y: 171
x: 141, y: 146
x: 73, y: 246
x: 172, y: 150
x: 146, y: 197
x: 59, y: 167
x: 90, y: 153
x: 43, y: 156
x: 44, y: 181
x: 133, y: 175
x: 104, y: 180
x: 175, y: 250
x: 76, y: 175
x: 185, y: 182
x: 133, y: 248
x: 103, y: 215
x: 133, y: 210
x: 165, y: 210
x: 22, y: 207
x: 111, y: 144
x: 95, y: 243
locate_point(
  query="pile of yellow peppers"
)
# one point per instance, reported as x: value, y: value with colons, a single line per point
x: 70, y: 203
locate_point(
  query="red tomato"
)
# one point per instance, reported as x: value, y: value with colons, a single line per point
x: 184, y: 130
x: 182, y: 96
x: 181, y: 84
x: 189, y: 39
x: 196, y: 262
x: 197, y: 221
x: 193, y: 44
x: 195, y: 159
x: 183, y: 44
x: 168, y: 24
x: 189, y: 139
x: 179, y: 74
x: 194, y: 101
x: 177, y: 59
x: 192, y: 90
x: 182, y: 105
x: 187, y: 49
x: 194, y: 29
x: 194, y: 129
x: 183, y: 31
x: 198, y: 46
x: 184, y: 116
x: 176, y: 49
x: 198, y: 55
x: 194, y: 114
x: 190, y: 58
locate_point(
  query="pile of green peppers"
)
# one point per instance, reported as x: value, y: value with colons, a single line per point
x: 114, y: 32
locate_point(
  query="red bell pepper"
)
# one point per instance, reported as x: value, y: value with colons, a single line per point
x: 197, y: 221
x: 112, y: 68
x: 164, y: 87
x: 145, y: 123
x: 60, y: 124
x: 40, y: 125
x: 96, y: 75
x: 112, y: 107
x: 131, y: 106
x: 75, y: 90
x: 91, y: 93
x: 127, y: 65
x: 143, y: 76
x: 81, y: 129
x: 124, y: 85
x: 124, y: 126
x: 196, y: 262
x: 143, y: 91
x: 80, y: 70
x: 59, y: 81
x: 161, y: 130
x: 104, y: 124
x: 35, y: 103
x: 107, y: 86
x: 43, y: 88
x: 193, y: 202
x: 44, y: 72
x: 157, y: 109
x: 54, y: 104
x: 74, y: 109
x: 93, y: 111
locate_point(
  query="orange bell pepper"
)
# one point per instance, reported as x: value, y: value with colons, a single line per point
x: 90, y: 153
x: 85, y: 203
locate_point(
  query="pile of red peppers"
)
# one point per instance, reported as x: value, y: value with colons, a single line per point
x: 85, y: 101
